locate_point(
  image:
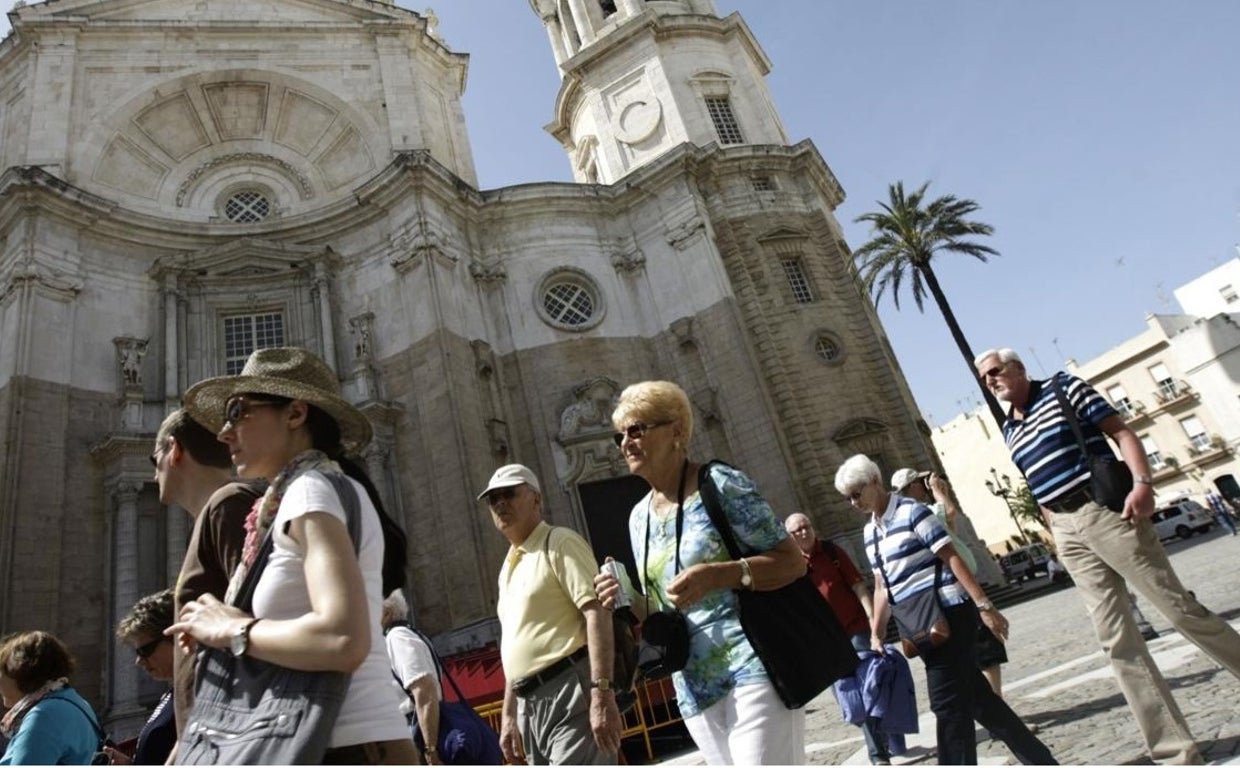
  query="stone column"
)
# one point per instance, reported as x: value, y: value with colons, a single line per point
x: 376, y: 457
x: 581, y: 18
x: 556, y: 33
x: 632, y: 7
x: 322, y: 285
x: 172, y: 382
x: 124, y: 589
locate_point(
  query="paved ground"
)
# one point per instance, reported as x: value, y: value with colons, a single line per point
x: 1058, y: 679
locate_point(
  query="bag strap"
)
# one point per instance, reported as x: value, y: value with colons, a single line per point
x: 353, y: 521
x: 680, y: 521
x: 90, y: 716
x: 714, y: 507
x: 444, y: 674
x: 878, y: 558
x: 1070, y: 414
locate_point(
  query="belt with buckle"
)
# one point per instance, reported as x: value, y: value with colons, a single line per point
x: 1071, y: 502
x: 527, y: 685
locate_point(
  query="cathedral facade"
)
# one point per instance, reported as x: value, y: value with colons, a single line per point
x: 186, y: 180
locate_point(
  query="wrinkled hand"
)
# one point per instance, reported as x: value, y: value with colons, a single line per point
x: 117, y: 757
x: 432, y: 758
x: 997, y: 624
x: 939, y: 486
x: 208, y: 621
x: 605, y: 720
x: 1140, y: 503
x: 607, y: 587
x: 693, y: 584
x: 877, y: 645
x: 510, y: 742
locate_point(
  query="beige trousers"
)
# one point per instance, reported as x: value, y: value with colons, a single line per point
x: 1102, y: 552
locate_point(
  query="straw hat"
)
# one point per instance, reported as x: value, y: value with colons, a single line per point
x: 289, y: 372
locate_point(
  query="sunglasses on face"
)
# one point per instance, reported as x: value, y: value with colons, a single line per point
x: 993, y: 372
x: 636, y: 431
x: 145, y: 651
x: 502, y: 494
x: 238, y: 408
x: 855, y: 496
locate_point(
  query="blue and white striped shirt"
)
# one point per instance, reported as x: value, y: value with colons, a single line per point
x: 909, y: 536
x: 1042, y: 444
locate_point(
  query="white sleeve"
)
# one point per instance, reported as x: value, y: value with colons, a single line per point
x: 411, y: 659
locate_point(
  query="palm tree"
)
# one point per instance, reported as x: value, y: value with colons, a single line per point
x: 907, y: 234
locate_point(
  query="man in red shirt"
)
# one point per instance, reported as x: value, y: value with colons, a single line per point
x: 837, y: 579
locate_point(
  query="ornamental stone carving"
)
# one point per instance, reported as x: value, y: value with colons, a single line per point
x: 588, y: 417
x: 129, y: 354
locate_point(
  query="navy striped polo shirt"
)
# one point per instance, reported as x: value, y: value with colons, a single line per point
x: 909, y: 536
x: 1042, y: 443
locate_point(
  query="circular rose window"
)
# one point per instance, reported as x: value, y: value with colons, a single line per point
x: 247, y: 207
x: 569, y: 299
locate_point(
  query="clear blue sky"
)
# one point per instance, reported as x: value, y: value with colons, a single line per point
x: 1100, y: 139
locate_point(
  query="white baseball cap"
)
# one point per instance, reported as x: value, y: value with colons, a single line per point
x: 511, y: 475
x: 903, y: 478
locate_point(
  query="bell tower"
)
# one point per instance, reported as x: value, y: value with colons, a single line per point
x: 639, y: 77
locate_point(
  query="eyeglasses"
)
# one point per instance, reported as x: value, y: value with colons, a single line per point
x: 636, y: 431
x: 145, y: 651
x: 855, y: 496
x: 155, y: 456
x: 993, y: 372
x: 502, y: 494
x: 238, y: 408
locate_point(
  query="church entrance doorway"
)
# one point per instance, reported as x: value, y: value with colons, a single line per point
x: 605, y: 505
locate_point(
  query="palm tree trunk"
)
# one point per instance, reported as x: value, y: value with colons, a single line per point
x: 962, y: 344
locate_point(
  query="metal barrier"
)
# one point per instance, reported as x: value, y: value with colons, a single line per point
x: 656, y: 708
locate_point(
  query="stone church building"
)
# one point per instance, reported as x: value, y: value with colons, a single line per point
x: 185, y: 180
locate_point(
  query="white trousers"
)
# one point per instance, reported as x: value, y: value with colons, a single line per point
x: 750, y: 726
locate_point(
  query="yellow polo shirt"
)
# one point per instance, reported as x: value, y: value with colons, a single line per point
x: 539, y: 613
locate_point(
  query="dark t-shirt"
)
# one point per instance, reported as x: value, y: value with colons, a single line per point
x: 836, y: 585
x: 158, y: 735
x: 214, y: 551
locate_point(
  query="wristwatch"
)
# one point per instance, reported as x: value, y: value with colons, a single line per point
x: 986, y: 606
x: 746, y: 574
x: 1145, y: 479
x: 603, y: 684
x: 239, y: 643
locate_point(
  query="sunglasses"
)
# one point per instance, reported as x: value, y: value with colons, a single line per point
x: 154, y: 457
x: 145, y: 651
x: 502, y: 494
x: 855, y: 496
x: 636, y: 431
x: 239, y: 408
x: 993, y: 372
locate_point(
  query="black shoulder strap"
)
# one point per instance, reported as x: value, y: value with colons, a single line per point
x: 444, y: 674
x: 714, y: 508
x: 90, y: 716
x: 1070, y: 414
x: 353, y: 520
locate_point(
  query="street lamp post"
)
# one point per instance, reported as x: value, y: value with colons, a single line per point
x: 1001, y: 486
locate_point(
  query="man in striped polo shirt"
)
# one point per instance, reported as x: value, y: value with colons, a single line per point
x: 1105, y: 550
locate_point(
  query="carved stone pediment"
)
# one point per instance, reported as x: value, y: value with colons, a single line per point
x: 244, y: 257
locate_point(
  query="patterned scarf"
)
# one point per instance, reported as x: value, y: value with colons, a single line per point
x: 258, y: 522
x: 12, y: 720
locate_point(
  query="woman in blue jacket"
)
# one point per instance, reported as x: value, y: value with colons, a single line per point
x: 47, y: 722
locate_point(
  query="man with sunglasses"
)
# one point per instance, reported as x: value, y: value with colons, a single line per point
x: 556, y: 647
x: 1105, y: 551
x: 194, y: 471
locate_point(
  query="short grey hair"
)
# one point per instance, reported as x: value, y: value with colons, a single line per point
x: 858, y: 470
x: 396, y: 606
x: 1005, y: 355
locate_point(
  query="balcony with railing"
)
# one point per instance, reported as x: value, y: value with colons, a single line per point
x: 1163, y: 466
x: 1172, y: 393
x: 1133, y: 412
x: 1206, y: 449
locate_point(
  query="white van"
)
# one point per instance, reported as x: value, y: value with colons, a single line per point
x: 1182, y: 519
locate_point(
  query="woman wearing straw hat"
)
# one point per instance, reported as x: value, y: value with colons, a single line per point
x: 316, y: 606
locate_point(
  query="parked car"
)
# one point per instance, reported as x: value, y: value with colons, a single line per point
x: 1026, y: 562
x: 1182, y: 519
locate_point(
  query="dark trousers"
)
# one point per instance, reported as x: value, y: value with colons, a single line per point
x: 960, y: 695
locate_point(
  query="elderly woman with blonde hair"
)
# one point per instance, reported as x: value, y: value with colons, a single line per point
x: 729, y: 705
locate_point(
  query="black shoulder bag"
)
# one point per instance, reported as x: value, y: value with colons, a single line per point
x: 252, y: 712
x: 1110, y: 480
x: 792, y: 629
x: 665, y: 633
x: 919, y: 618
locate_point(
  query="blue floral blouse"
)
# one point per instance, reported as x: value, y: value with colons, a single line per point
x: 720, y: 657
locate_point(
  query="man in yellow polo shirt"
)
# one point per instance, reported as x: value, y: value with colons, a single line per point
x: 559, y: 706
